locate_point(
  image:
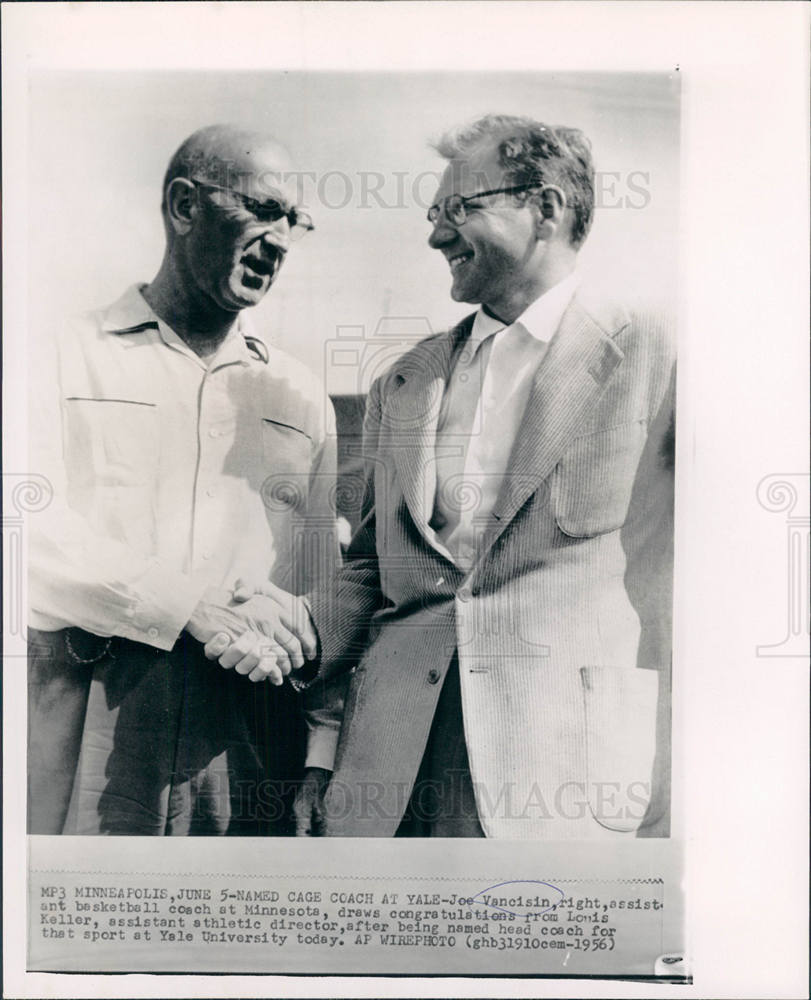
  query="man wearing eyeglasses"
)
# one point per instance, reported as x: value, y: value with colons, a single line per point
x: 185, y: 452
x: 504, y: 608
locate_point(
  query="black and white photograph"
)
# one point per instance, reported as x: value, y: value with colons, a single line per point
x: 351, y: 612
x: 491, y: 653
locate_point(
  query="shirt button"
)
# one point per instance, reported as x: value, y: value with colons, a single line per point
x: 153, y: 633
x: 433, y: 676
x: 464, y: 594
x: 206, y: 555
x: 213, y: 432
x: 211, y: 492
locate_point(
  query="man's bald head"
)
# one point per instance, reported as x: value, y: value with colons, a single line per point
x: 230, y: 157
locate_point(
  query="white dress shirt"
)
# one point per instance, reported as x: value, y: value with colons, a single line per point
x: 481, y: 413
x: 171, y: 474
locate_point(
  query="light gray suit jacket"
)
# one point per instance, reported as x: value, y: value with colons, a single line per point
x: 562, y: 626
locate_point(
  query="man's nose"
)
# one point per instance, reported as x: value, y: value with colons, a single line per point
x: 277, y: 234
x: 444, y: 232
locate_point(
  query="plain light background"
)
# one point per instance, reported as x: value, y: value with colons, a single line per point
x: 100, y: 143
x: 743, y: 391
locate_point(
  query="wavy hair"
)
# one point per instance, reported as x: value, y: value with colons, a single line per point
x: 530, y: 151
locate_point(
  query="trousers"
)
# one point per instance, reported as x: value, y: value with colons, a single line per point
x: 127, y: 739
x: 443, y: 800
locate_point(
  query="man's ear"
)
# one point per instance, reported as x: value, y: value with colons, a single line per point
x: 551, y: 202
x: 181, y: 204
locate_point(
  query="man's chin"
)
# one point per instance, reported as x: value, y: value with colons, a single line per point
x: 462, y: 294
x: 235, y: 299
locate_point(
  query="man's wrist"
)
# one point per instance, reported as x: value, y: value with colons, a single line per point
x: 203, y: 623
x: 159, y: 615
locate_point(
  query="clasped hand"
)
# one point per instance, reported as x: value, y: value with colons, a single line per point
x: 263, y: 632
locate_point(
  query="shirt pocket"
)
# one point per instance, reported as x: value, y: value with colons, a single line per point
x: 287, y: 453
x: 113, y: 441
x: 592, y: 484
x: 620, y: 728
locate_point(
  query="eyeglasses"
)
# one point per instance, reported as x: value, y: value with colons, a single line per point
x: 267, y: 211
x: 455, y: 204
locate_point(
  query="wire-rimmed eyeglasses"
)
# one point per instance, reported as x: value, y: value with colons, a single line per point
x: 455, y: 204
x: 266, y: 211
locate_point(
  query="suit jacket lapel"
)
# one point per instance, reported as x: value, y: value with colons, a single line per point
x: 569, y: 380
x: 412, y: 414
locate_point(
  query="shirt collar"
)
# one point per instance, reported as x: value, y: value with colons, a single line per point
x: 133, y: 314
x: 130, y: 313
x: 541, y: 318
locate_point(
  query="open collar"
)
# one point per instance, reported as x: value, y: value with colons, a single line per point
x: 132, y: 314
x: 540, y: 319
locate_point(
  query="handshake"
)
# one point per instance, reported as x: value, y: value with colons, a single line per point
x: 261, y: 631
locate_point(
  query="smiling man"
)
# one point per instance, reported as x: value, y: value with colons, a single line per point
x: 504, y: 608
x: 184, y: 453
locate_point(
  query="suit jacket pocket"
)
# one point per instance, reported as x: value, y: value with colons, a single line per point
x: 287, y: 455
x: 620, y: 709
x: 592, y: 484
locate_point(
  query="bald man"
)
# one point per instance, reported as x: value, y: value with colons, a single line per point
x: 185, y: 453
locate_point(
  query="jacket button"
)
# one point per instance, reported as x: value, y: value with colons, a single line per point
x: 433, y: 676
